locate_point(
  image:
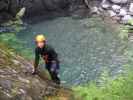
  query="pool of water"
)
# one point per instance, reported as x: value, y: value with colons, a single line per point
x: 86, y: 47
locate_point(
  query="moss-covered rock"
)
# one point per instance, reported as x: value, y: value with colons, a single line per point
x: 17, y: 83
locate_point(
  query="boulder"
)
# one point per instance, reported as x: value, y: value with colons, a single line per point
x: 131, y: 8
x: 116, y: 8
x: 21, y: 13
x: 112, y: 13
x: 105, y: 4
x: 126, y: 18
x: 119, y: 1
x: 123, y: 12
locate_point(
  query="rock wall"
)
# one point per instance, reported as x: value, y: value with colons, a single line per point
x: 35, y: 7
x: 120, y: 10
x: 17, y: 83
x: 9, y: 8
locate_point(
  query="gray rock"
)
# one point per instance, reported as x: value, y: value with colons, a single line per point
x: 123, y: 12
x: 94, y: 10
x: 116, y: 8
x: 22, y: 86
x: 126, y: 18
x: 6, y: 84
x: 105, y: 6
x: 112, y: 13
x: 130, y: 13
x: 119, y: 1
x: 131, y: 8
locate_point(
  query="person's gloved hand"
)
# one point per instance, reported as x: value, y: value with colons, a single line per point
x: 35, y: 71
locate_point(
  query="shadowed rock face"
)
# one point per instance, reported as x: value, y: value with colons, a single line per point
x: 9, y: 8
x: 16, y: 82
x: 39, y: 6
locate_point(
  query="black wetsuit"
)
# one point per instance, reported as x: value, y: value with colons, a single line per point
x: 51, y: 61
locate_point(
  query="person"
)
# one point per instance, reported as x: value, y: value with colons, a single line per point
x: 48, y: 54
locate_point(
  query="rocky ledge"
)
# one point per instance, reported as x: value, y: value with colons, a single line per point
x: 9, y: 8
x: 16, y: 82
x: 120, y: 10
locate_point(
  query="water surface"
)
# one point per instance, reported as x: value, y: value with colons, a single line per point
x: 86, y: 47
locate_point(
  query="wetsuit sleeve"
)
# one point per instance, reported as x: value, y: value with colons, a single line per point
x: 37, y: 58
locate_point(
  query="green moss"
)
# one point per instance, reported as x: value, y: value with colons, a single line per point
x: 10, y: 40
x: 118, y: 89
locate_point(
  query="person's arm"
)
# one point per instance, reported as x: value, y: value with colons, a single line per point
x: 37, y: 58
x: 53, y: 53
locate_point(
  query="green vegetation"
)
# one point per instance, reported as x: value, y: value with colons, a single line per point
x: 14, y: 43
x: 120, y: 88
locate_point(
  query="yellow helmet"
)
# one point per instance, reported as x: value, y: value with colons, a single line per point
x: 40, y: 38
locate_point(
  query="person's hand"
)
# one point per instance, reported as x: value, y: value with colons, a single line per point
x: 34, y: 72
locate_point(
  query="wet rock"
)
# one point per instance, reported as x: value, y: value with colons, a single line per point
x: 6, y: 84
x: 35, y: 7
x: 119, y: 1
x: 105, y: 6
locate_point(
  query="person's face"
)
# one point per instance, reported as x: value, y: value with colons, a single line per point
x: 40, y: 44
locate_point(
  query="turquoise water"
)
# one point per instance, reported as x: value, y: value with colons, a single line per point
x: 86, y: 47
